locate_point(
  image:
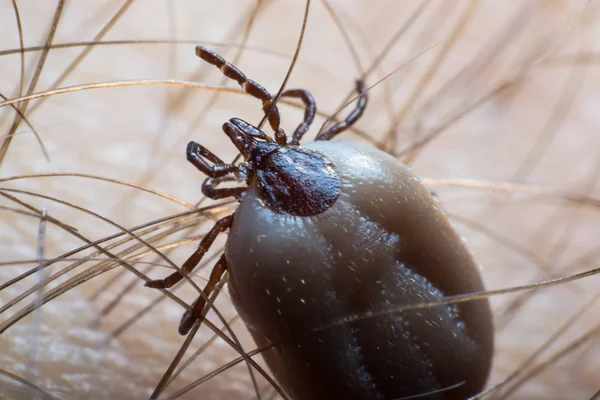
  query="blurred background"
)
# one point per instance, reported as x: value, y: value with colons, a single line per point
x: 493, y: 103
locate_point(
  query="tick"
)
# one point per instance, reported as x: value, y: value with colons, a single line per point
x: 325, y: 231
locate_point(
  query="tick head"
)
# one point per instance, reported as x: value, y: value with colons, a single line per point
x: 251, y: 142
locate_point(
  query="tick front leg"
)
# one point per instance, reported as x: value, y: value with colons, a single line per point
x: 188, y: 266
x: 198, y: 154
x: 189, y: 317
x: 251, y: 87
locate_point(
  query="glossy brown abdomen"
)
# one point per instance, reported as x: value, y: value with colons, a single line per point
x: 384, y: 243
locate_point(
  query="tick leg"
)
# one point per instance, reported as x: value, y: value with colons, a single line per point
x: 351, y: 118
x: 251, y: 87
x: 309, y: 111
x: 198, y: 154
x: 189, y: 317
x: 209, y: 188
x: 248, y: 130
x: 188, y: 266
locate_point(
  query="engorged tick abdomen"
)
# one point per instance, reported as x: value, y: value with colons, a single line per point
x: 383, y: 243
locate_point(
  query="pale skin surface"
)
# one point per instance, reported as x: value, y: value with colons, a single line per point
x: 541, y: 132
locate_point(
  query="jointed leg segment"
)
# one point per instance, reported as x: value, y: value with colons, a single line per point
x: 189, y: 317
x: 217, y: 173
x: 209, y: 188
x: 198, y: 154
x: 188, y: 266
x: 309, y: 112
x: 351, y: 118
x: 251, y: 87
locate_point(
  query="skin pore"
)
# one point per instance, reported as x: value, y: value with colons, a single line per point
x: 530, y: 61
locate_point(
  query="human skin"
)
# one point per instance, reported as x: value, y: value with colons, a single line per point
x: 545, y: 119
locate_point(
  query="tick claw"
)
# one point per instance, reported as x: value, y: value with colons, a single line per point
x: 187, y: 322
x: 156, y: 284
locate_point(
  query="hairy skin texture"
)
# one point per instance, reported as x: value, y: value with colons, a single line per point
x: 540, y: 131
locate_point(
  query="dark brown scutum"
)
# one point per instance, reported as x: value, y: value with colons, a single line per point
x: 298, y: 181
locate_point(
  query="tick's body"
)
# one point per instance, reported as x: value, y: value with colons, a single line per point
x: 383, y: 243
x: 330, y: 230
